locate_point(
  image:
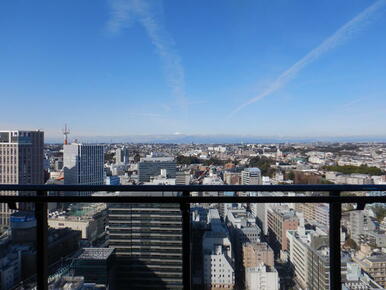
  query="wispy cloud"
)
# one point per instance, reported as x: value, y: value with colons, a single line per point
x: 351, y: 104
x: 342, y: 34
x: 146, y: 12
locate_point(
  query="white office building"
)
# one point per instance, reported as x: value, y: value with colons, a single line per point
x: 122, y: 155
x: 218, y: 264
x: 261, y: 278
x: 83, y: 164
x: 308, y: 253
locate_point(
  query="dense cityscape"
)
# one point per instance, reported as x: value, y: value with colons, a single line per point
x: 205, y: 145
x: 233, y: 246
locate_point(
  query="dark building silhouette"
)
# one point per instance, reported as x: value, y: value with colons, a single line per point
x: 96, y: 265
x: 148, y: 243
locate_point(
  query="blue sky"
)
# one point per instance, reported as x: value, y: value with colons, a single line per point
x: 263, y: 68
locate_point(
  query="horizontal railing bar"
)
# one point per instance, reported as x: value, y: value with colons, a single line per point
x: 196, y: 199
x: 170, y: 188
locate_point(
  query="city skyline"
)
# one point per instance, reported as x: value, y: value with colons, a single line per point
x: 149, y: 235
x: 213, y: 139
x: 118, y: 68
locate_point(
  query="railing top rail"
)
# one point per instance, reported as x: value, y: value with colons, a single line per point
x: 196, y: 199
x: 198, y: 188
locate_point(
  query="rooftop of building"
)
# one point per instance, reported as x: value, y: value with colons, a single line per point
x: 78, y: 212
x: 258, y: 246
x: 306, y: 236
x: 218, y: 233
x: 157, y: 158
x: 96, y: 253
x: 284, y: 211
x: 253, y: 170
x: 260, y: 269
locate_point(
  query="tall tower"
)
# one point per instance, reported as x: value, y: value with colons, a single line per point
x: 66, y: 132
x: 21, y: 162
x: 122, y: 155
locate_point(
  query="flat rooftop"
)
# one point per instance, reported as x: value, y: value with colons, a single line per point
x: 96, y: 253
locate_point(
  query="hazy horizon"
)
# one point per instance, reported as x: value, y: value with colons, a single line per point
x: 213, y: 139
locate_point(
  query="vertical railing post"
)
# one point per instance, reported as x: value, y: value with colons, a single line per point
x: 335, y: 215
x: 185, y: 211
x: 41, y: 243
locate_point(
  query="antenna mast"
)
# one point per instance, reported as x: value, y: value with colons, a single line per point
x: 66, y: 132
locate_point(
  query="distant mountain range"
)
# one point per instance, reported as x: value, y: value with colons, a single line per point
x: 213, y: 139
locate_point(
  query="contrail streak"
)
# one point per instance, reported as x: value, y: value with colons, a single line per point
x: 341, y: 35
x: 143, y: 11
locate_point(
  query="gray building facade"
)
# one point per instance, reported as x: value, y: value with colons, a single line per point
x: 151, y: 166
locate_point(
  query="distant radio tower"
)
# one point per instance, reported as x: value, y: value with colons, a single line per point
x: 66, y: 132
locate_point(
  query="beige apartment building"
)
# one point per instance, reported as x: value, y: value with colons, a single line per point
x: 21, y: 162
x: 375, y: 266
x: 280, y: 220
x: 255, y: 254
x: 318, y: 212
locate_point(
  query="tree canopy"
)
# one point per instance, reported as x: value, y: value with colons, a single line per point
x: 264, y: 164
x: 348, y: 169
x: 187, y: 160
x: 380, y: 212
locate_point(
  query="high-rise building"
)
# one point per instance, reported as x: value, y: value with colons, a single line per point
x: 280, y: 220
x: 255, y: 254
x: 360, y: 224
x: 375, y: 266
x: 148, y: 243
x: 251, y: 176
x: 218, y: 263
x: 182, y: 178
x: 96, y: 265
x: 122, y: 155
x: 309, y: 255
x: 233, y: 178
x: 152, y: 165
x: 260, y: 210
x: 314, y: 212
x: 21, y: 162
x: 83, y: 164
x: 261, y: 278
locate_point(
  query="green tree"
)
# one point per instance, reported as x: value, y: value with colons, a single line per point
x: 264, y: 164
x: 291, y: 175
x: 137, y: 157
x: 188, y: 160
x: 349, y: 169
x: 380, y: 212
x: 109, y: 157
x: 350, y: 243
x: 213, y: 161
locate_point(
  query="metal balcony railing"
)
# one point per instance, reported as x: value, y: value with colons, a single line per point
x: 334, y: 199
